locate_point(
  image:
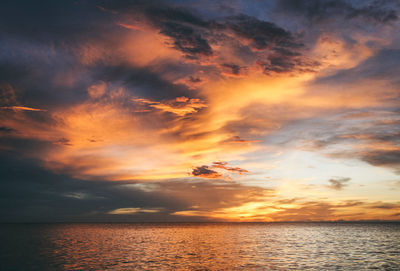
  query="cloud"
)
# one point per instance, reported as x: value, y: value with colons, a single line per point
x: 7, y: 95
x: 322, y: 10
x: 338, y: 183
x: 233, y: 70
x: 206, y: 172
x: 21, y: 108
x: 31, y: 193
x: 386, y: 206
x: 184, y: 28
x: 276, y: 49
x: 5, y: 129
x: 64, y: 79
x: 182, y: 99
x: 35, y: 194
x: 298, y: 210
x: 261, y: 34
x: 63, y: 141
x: 254, y: 120
x: 129, y: 95
x: 180, y: 106
x: 390, y: 158
x: 380, y: 66
x: 97, y: 90
x: 8, y: 99
x: 224, y: 165
x: 202, y: 40
x: 370, y: 137
x: 239, y: 140
x: 192, y: 82
x: 279, y: 63
x: 131, y: 211
x: 140, y: 81
x: 186, y: 40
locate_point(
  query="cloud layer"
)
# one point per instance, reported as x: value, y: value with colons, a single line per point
x: 172, y: 111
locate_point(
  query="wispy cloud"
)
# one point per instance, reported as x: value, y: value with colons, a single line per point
x: 21, y: 108
x: 131, y: 211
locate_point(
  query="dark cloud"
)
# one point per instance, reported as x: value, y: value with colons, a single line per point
x: 206, y: 172
x: 5, y: 129
x: 338, y: 183
x: 322, y: 10
x: 63, y: 141
x: 24, y: 147
x: 276, y: 49
x: 262, y: 35
x: 192, y: 82
x: 47, y: 87
x: 372, y: 134
x: 233, y: 70
x: 380, y: 158
x: 187, y: 30
x: 194, y: 36
x: 276, y: 64
x: 383, y: 133
x: 35, y: 194
x: 7, y: 94
x: 186, y: 40
x: 386, y: 206
x: 140, y: 82
x: 31, y: 193
x: 387, y: 136
x: 59, y: 45
x: 285, y: 63
x: 390, y: 158
x: 156, y: 12
x: 51, y: 21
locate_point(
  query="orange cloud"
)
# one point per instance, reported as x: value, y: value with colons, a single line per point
x: 21, y: 108
x: 223, y: 165
x: 269, y: 210
x: 238, y: 139
x: 97, y: 90
x: 192, y: 82
x: 181, y: 106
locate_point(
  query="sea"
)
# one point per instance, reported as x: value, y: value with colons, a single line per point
x: 200, y: 246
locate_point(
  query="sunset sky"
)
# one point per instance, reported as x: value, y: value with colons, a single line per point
x: 205, y: 110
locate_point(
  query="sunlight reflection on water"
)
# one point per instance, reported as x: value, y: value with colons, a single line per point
x: 199, y: 246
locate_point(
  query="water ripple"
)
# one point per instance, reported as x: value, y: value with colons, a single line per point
x: 191, y: 246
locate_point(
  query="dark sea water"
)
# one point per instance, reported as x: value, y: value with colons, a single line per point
x: 199, y: 246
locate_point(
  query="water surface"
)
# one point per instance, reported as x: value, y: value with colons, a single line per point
x: 200, y: 246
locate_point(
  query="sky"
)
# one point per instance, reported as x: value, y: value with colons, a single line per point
x: 241, y: 110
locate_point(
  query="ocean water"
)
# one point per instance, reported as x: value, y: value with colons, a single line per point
x: 200, y: 246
